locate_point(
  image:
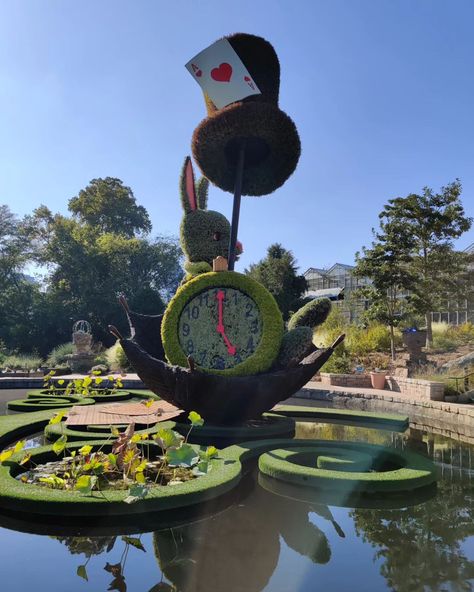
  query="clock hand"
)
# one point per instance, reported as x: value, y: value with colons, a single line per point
x: 220, y: 323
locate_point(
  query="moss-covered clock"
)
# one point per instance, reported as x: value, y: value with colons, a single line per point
x: 227, y: 322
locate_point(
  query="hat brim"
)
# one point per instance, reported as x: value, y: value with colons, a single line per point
x: 272, y: 147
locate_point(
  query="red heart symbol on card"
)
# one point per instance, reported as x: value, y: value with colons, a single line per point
x: 223, y: 73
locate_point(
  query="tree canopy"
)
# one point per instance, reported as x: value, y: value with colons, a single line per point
x: 414, y: 250
x: 88, y: 258
x: 278, y: 272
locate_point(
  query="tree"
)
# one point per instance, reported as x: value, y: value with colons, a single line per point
x: 431, y: 221
x: 278, y: 273
x: 88, y: 268
x: 110, y: 206
x: 420, y: 547
x: 387, y: 265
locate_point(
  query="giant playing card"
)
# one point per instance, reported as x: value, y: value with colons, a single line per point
x: 221, y: 74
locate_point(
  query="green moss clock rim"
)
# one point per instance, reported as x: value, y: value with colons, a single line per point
x: 272, y: 329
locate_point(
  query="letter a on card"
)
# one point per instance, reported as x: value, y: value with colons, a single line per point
x: 222, y: 75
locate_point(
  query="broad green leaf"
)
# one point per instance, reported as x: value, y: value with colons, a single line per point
x: 136, y: 438
x: 195, y: 419
x: 82, y: 573
x: 129, y: 456
x: 202, y: 468
x: 85, y: 484
x: 96, y: 372
x: 211, y: 451
x: 140, y: 477
x: 113, y: 459
x: 5, y: 455
x: 114, y: 431
x: 98, y: 379
x: 167, y: 438
x: 85, y: 450
x: 60, y: 444
x: 135, y: 542
x: 57, y: 418
x: 136, y: 492
x: 61, y: 381
x: 87, y: 381
x: 19, y: 445
x: 148, y: 403
x: 184, y: 456
x: 54, y: 481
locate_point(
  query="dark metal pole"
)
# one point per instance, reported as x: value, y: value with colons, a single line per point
x: 236, y: 208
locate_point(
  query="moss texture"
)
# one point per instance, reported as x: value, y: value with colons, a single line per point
x: 13, y: 427
x: 387, y: 421
x: 41, y: 404
x: 79, y: 433
x: 272, y: 322
x: 275, y: 159
x: 312, y: 314
x: 391, y: 470
x: 121, y: 395
x: 41, y: 500
x: 225, y: 474
x: 270, y: 426
x: 273, y: 146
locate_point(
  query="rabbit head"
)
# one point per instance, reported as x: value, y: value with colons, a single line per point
x: 204, y: 234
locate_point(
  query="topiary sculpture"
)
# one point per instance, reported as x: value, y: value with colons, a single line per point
x: 297, y: 343
x: 204, y: 234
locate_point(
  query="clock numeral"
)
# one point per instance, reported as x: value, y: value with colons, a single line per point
x: 248, y: 309
x: 254, y: 326
x: 202, y: 358
x: 185, y: 330
x: 250, y: 346
x: 190, y: 346
x: 236, y: 298
x: 218, y: 363
x: 204, y: 298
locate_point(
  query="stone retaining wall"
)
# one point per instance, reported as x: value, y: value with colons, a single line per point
x: 352, y: 380
x: 451, y: 419
x: 413, y: 387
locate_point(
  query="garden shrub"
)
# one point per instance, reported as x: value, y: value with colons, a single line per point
x: 339, y: 363
x: 22, y: 362
x: 59, y: 355
x: 116, y: 359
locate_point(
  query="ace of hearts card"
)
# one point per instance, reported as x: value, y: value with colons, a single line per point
x: 221, y: 74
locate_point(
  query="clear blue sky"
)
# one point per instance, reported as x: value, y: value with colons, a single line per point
x: 382, y: 92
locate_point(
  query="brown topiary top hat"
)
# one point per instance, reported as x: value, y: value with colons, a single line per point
x: 272, y: 145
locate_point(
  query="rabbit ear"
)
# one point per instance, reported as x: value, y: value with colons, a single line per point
x: 187, y: 187
x: 202, y: 189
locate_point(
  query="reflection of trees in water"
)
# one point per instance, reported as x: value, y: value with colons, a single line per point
x: 421, y: 546
x: 87, y: 545
x: 239, y: 549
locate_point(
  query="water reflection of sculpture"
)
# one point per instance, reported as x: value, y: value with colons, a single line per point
x: 239, y: 549
x: 422, y: 545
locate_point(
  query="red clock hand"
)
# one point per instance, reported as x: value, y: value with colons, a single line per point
x: 220, y: 323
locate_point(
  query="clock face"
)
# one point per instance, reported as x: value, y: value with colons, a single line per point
x: 220, y: 328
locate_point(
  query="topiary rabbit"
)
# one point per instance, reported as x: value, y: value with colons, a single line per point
x: 204, y: 234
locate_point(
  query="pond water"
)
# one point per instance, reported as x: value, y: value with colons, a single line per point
x: 266, y: 542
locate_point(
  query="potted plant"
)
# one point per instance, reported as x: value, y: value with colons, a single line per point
x: 377, y: 375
